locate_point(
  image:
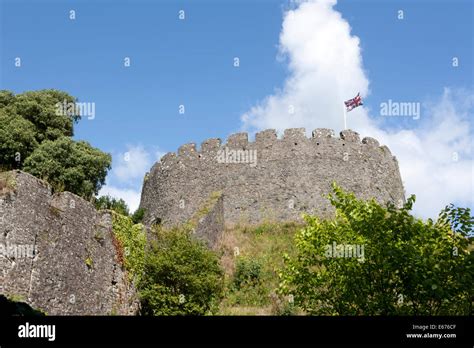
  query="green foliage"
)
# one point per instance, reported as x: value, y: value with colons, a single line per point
x: 7, y: 182
x: 247, y: 285
x: 254, y: 295
x: 251, y: 275
x: 137, y: 216
x: 111, y: 203
x: 40, y: 108
x: 263, y: 228
x: 204, y: 209
x: 6, y: 98
x: 283, y: 305
x: 68, y: 165
x: 17, y: 139
x: 132, y: 240
x: 181, y: 276
x: 410, y: 267
x: 247, y: 272
x: 35, y: 131
x: 458, y: 219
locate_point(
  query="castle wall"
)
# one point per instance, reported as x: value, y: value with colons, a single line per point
x: 290, y: 175
x: 210, y: 226
x: 73, y: 268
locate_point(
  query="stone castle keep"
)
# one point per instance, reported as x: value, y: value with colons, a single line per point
x: 269, y: 179
x: 60, y: 255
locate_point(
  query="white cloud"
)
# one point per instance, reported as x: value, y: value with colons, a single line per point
x: 130, y: 196
x: 128, y: 170
x: 326, y: 68
x: 131, y: 164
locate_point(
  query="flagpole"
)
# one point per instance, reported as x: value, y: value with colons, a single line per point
x: 345, y: 116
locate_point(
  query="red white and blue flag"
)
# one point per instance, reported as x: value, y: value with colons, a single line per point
x: 354, y: 102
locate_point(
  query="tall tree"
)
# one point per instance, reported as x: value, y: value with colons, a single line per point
x: 68, y: 165
x: 35, y: 135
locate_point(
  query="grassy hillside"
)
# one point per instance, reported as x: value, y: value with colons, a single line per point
x: 251, y: 257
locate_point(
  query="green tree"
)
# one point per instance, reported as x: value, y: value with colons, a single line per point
x: 17, y: 140
x: 68, y: 165
x: 138, y: 215
x: 108, y: 202
x: 44, y: 109
x: 181, y: 276
x: 6, y: 97
x: 409, y: 266
x: 35, y: 131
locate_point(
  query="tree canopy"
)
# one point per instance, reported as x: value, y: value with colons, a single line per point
x: 377, y: 260
x: 116, y: 204
x: 44, y: 110
x: 69, y: 165
x: 36, y: 130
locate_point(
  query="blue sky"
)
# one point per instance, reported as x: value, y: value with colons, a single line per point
x: 190, y: 62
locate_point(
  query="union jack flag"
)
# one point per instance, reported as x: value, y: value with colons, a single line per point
x: 354, y: 102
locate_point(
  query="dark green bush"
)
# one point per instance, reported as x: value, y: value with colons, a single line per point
x: 137, y: 216
x: 108, y: 202
x: 247, y: 272
x: 181, y: 276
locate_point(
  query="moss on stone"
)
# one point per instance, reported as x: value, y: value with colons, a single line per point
x: 89, y: 262
x: 16, y: 298
x: 55, y: 211
x: 99, y: 237
x: 7, y: 182
x: 204, y: 210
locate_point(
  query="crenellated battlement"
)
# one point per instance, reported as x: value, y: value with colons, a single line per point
x: 271, y: 177
x: 266, y: 139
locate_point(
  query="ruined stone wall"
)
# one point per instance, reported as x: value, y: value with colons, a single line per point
x: 74, y: 268
x: 210, y: 226
x: 290, y: 175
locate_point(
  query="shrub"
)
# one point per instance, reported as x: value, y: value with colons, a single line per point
x: 108, y: 202
x: 247, y: 272
x: 181, y: 276
x: 282, y: 305
x: 137, y: 216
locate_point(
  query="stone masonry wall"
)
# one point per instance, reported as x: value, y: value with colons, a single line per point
x: 74, y: 269
x: 290, y: 175
x: 210, y: 226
